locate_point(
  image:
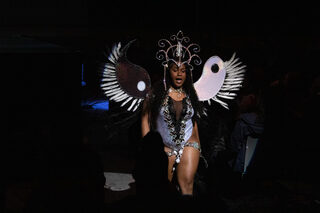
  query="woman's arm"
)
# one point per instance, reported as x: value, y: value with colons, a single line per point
x: 145, y: 127
x: 195, y: 134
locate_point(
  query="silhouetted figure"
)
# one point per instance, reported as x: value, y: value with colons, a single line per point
x: 72, y: 180
x: 231, y: 163
x: 151, y: 174
x: 249, y: 122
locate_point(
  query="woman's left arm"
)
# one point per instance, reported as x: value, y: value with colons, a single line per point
x: 195, y: 134
x: 196, y: 131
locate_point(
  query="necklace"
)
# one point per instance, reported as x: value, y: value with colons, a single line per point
x: 179, y: 91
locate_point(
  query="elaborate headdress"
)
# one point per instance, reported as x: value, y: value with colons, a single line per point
x: 178, y: 51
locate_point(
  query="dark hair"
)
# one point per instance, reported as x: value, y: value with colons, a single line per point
x: 159, y: 93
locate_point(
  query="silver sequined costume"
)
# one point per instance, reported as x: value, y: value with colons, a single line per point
x: 175, y: 133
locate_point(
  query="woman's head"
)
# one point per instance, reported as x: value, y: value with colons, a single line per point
x: 179, y: 76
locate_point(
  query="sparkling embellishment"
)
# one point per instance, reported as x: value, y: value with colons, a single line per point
x: 179, y: 91
x: 177, y: 137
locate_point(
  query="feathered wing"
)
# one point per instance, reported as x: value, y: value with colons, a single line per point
x: 233, y: 81
x: 123, y: 81
x: 220, y: 80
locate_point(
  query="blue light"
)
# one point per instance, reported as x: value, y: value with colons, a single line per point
x: 96, y: 104
x: 83, y: 83
x: 93, y: 104
x: 101, y: 105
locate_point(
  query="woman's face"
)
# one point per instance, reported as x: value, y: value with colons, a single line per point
x: 178, y: 75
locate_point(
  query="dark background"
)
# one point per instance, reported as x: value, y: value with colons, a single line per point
x: 276, y: 34
x: 43, y: 45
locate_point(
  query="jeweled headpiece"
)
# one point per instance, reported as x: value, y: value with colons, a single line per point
x: 178, y: 51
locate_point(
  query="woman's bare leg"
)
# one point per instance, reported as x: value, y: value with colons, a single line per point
x: 187, y: 169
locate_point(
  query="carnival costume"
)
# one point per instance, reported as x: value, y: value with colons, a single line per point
x: 129, y: 84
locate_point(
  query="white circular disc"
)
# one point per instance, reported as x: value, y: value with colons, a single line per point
x: 141, y: 86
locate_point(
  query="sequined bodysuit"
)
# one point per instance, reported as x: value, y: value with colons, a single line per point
x: 175, y: 126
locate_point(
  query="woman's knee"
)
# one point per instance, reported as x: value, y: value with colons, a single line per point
x: 186, y: 186
x: 186, y: 181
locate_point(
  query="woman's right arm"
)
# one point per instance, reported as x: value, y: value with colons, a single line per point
x: 145, y: 127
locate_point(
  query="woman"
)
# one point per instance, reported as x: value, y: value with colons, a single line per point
x: 173, y: 110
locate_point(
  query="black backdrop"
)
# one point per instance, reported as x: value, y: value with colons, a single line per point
x: 43, y: 45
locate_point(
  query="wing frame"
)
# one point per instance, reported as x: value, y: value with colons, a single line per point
x: 234, y: 76
x: 110, y: 82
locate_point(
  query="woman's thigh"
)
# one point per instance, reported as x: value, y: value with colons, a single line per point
x: 188, y: 165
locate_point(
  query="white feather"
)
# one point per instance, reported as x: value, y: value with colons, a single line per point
x: 233, y: 65
x: 118, y: 49
x: 138, y: 103
x: 109, y: 79
x: 236, y: 71
x: 113, y: 92
x: 230, y: 88
x: 227, y: 93
x: 110, y: 66
x: 109, y: 83
x: 111, y: 58
x: 117, y: 95
x: 114, y: 52
x: 124, y: 103
x: 233, y: 79
x: 109, y: 74
x: 111, y: 87
x: 225, y: 97
x: 132, y: 104
x: 121, y: 98
x: 108, y: 70
x: 220, y: 102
